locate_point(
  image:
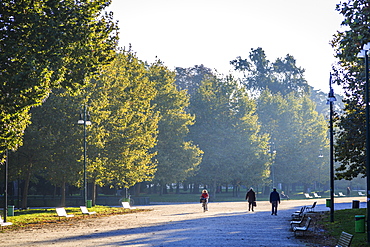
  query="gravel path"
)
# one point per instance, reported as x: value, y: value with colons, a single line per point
x: 225, y: 224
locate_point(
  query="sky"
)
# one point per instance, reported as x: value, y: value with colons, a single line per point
x: 185, y: 33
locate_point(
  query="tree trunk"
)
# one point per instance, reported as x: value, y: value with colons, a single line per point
x: 137, y: 189
x: 63, y: 193
x: 25, y: 189
x: 196, y: 188
x: 214, y: 189
x: 160, y: 189
x: 93, y: 194
x: 237, y: 190
x: 164, y: 188
x: 155, y: 187
x: 185, y: 186
x: 178, y: 188
x: 150, y: 189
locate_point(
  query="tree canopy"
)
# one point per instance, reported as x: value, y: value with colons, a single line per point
x: 282, y: 76
x: 227, y: 130
x: 45, y: 45
x: 350, y: 74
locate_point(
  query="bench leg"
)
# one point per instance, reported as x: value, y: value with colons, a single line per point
x: 301, y: 234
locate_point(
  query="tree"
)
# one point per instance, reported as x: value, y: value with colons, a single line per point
x: 191, y: 78
x: 349, y: 73
x: 283, y: 76
x: 297, y: 132
x: 348, y: 43
x: 58, y: 144
x: 177, y: 158
x: 226, y: 130
x: 29, y: 157
x: 131, y: 121
x: 46, y: 45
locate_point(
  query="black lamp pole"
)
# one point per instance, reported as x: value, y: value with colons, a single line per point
x: 6, y: 186
x: 83, y: 120
x: 361, y: 54
x: 85, y: 182
x: 367, y: 143
x: 331, y: 99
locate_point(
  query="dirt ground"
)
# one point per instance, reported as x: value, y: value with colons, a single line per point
x: 225, y: 224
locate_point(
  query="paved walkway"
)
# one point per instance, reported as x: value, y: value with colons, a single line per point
x: 225, y: 224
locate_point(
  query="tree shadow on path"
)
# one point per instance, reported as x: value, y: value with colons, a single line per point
x: 220, y: 229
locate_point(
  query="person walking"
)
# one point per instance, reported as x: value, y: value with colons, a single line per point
x: 251, y: 198
x: 274, y: 200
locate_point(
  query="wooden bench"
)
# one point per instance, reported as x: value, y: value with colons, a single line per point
x: 345, y: 240
x: 127, y: 205
x: 85, y: 211
x: 2, y: 223
x: 61, y: 212
x: 302, y: 229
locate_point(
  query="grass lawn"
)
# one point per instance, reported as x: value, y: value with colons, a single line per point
x: 344, y: 220
x: 220, y: 197
x: 38, y: 217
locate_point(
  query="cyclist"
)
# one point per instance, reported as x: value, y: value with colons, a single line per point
x: 204, y: 198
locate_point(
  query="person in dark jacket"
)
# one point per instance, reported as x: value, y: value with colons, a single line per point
x: 274, y: 200
x: 251, y: 198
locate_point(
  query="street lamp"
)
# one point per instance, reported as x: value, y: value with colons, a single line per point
x: 6, y: 184
x: 84, y: 120
x: 331, y: 99
x: 364, y: 54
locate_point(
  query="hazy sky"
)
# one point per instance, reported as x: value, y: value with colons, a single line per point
x: 214, y: 32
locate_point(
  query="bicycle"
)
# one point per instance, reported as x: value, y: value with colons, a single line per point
x: 204, y: 204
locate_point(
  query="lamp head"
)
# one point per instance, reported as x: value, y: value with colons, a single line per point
x: 331, y: 97
x: 364, y: 50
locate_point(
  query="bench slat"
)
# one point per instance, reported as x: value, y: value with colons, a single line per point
x: 345, y: 240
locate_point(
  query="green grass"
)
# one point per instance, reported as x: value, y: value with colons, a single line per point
x: 220, y: 197
x: 344, y: 220
x: 184, y: 197
x: 39, y: 217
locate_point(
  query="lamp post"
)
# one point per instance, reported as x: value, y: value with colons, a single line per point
x: 6, y: 185
x: 330, y: 101
x: 364, y: 54
x: 84, y: 120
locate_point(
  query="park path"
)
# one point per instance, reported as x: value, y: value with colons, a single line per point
x: 225, y: 224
